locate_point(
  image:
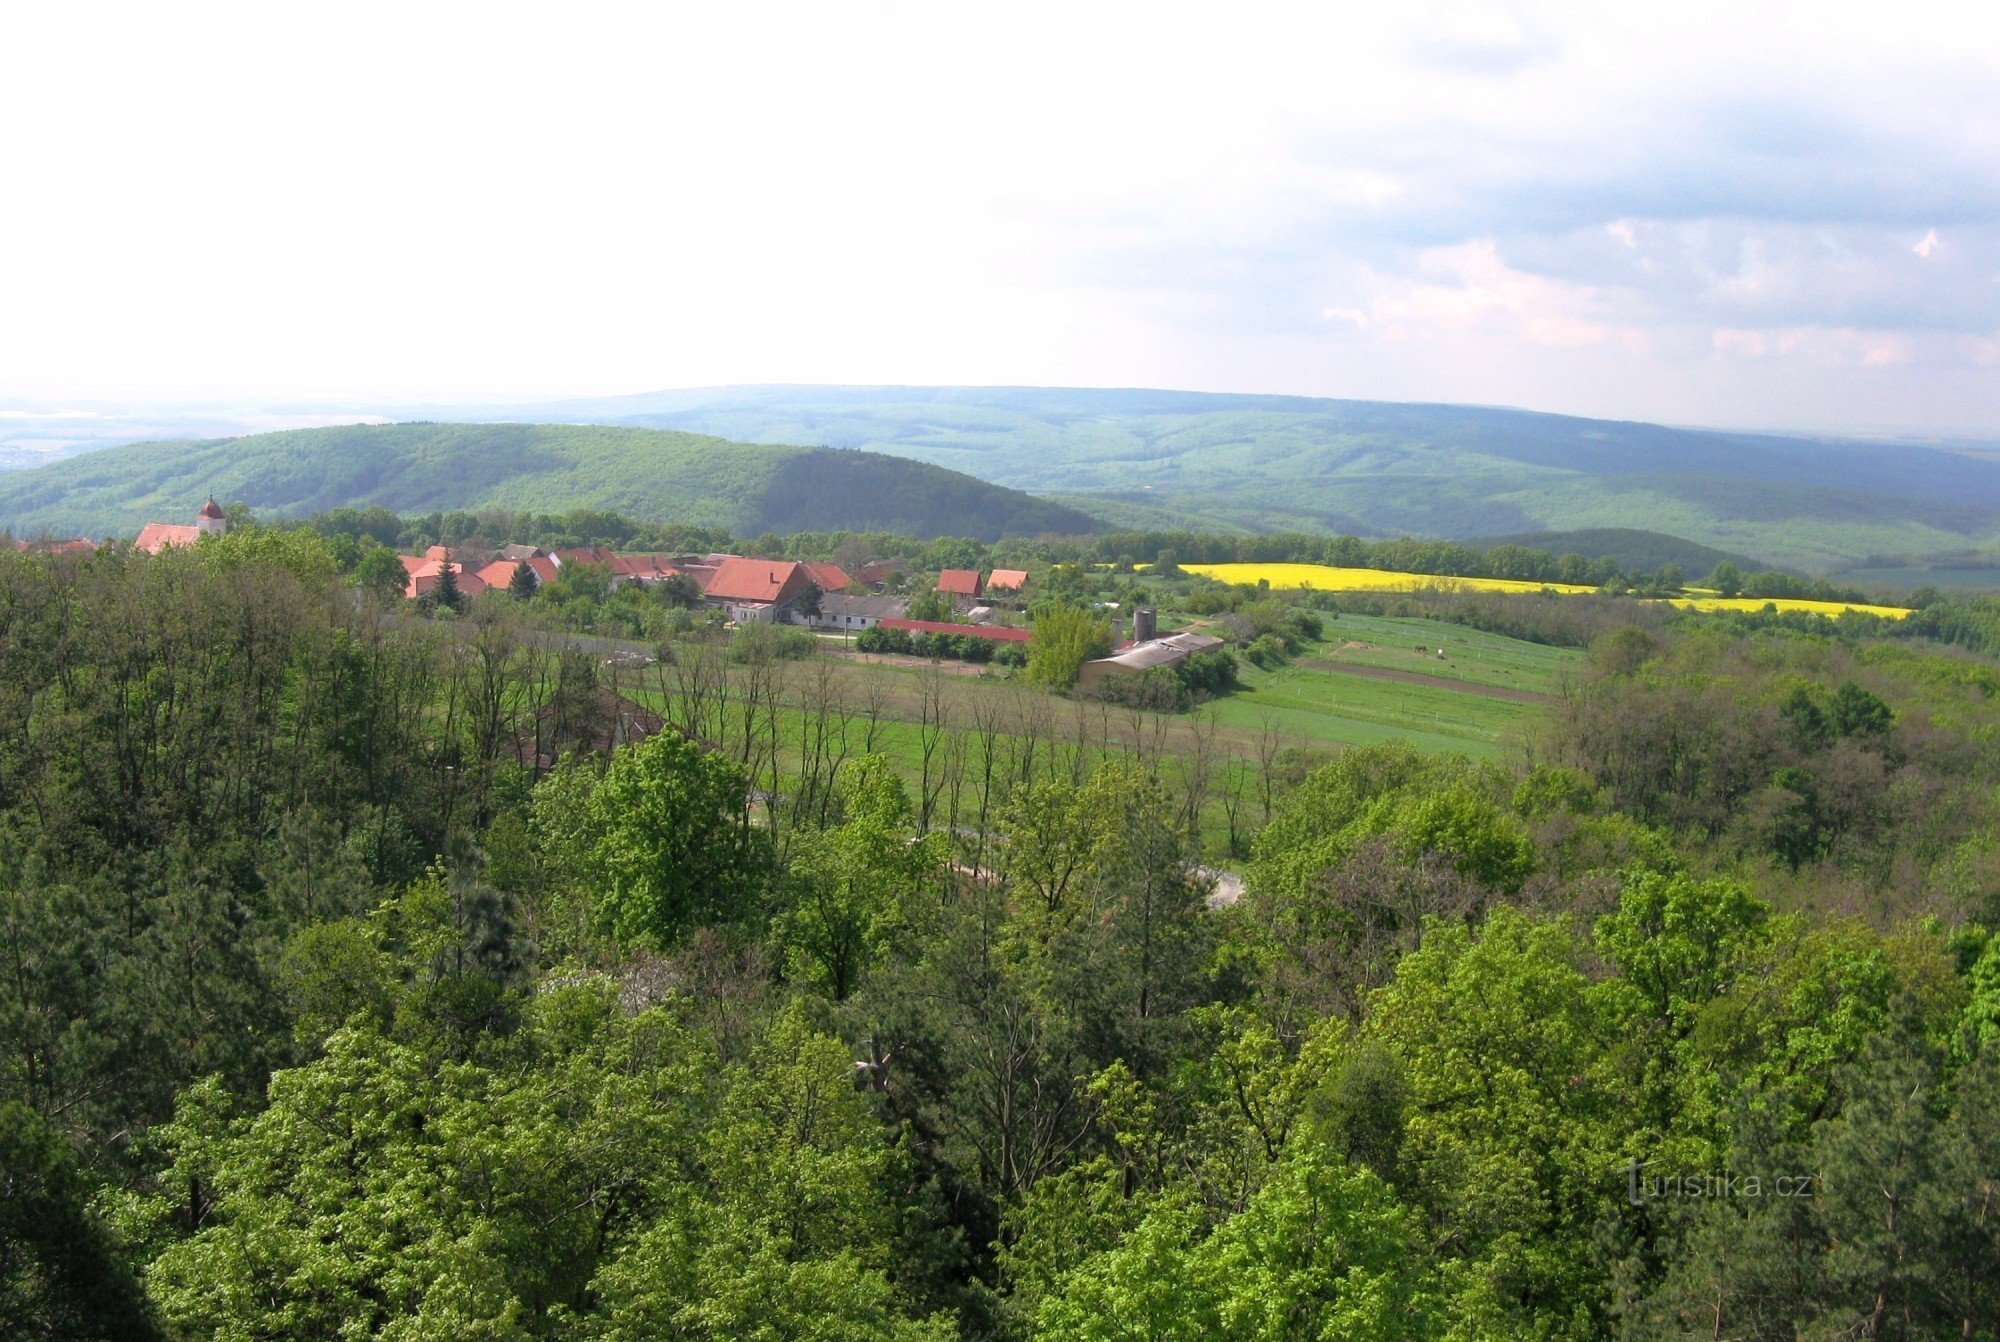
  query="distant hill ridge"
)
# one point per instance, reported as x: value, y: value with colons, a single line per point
x: 1374, y: 468
x: 650, y: 475
x: 1635, y: 551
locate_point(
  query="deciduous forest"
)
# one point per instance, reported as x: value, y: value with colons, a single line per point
x: 366, y: 975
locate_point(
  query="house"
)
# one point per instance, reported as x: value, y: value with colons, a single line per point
x: 500, y: 573
x: 1010, y: 580
x: 755, y: 589
x: 853, y: 613
x: 79, y: 546
x: 878, y: 571
x: 621, y: 569
x: 998, y: 633
x: 157, y: 536
x: 1139, y: 658
x: 421, y: 575
x: 829, y: 577
x: 961, y: 583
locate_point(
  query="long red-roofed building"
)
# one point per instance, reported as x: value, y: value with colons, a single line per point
x: 999, y: 633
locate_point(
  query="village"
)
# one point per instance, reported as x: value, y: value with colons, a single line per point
x: 965, y: 605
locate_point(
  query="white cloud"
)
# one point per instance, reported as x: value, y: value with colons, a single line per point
x: 1537, y: 202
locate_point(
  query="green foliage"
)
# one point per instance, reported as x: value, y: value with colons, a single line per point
x: 1061, y: 639
x: 1319, y: 1251
x: 849, y: 887
x: 674, y: 842
x: 931, y: 605
x: 62, y: 1277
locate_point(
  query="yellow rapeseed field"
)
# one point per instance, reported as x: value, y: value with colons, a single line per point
x: 1785, y: 603
x: 1326, y: 578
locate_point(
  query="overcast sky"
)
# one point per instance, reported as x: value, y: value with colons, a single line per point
x: 1676, y: 212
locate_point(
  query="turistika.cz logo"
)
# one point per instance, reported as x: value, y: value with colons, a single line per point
x: 1642, y: 1187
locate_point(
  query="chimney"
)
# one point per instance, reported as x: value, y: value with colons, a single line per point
x: 1145, y: 624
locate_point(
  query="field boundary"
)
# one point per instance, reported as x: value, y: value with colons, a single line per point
x: 1424, y: 678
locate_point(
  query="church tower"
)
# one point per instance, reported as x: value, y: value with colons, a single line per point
x: 210, y: 521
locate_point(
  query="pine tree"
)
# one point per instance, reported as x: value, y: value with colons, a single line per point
x: 446, y: 592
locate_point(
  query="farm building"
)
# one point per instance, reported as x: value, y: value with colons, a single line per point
x: 829, y: 577
x: 500, y: 573
x: 421, y: 575
x: 878, y: 571
x: 853, y: 612
x: 80, y: 546
x: 157, y: 536
x: 998, y: 633
x: 1142, y: 657
x: 1010, y: 580
x: 623, y: 568
x: 756, y: 589
x: 961, y: 584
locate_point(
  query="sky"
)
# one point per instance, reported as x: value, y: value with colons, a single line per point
x: 1768, y: 216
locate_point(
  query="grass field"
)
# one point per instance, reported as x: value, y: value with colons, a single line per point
x: 1326, y: 578
x: 1335, y: 694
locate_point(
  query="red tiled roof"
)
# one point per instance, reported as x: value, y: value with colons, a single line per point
x: 157, y: 536
x: 767, y: 580
x: 999, y: 633
x: 499, y: 573
x: 211, y: 510
x: 830, y: 577
x: 646, y: 568
x: 1007, y: 579
x: 959, y: 582
x: 589, y: 554
x: 425, y: 576
x: 411, y: 563
x: 544, y: 567
x: 437, y: 552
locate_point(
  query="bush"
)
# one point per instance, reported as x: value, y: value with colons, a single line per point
x: 1268, y: 651
x: 767, y: 642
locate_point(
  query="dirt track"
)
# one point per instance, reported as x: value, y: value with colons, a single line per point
x: 1440, y: 682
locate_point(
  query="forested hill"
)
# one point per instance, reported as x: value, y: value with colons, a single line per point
x: 1634, y: 550
x: 1372, y: 468
x: 650, y: 475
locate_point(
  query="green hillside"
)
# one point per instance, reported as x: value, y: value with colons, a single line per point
x: 1634, y: 551
x: 1273, y: 463
x: 648, y: 474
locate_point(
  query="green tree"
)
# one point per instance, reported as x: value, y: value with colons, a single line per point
x: 380, y: 572
x: 1726, y: 579
x: 1320, y: 1251
x: 521, y: 583
x: 931, y: 605
x: 674, y: 842
x: 1062, y: 638
x: 807, y: 603
x: 847, y: 888
x: 61, y: 1275
x: 1857, y: 712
